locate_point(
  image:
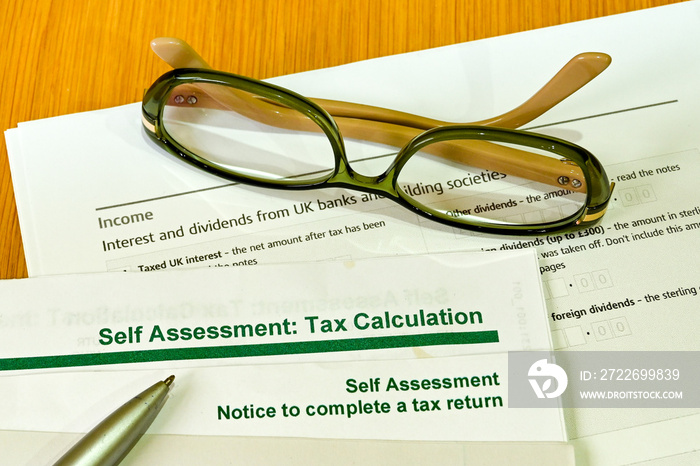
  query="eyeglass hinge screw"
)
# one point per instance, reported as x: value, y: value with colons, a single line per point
x: 179, y: 99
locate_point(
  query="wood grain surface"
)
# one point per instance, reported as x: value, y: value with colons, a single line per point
x: 66, y: 56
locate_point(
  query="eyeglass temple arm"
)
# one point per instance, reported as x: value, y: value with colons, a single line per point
x: 578, y: 72
x: 177, y: 53
x: 397, y: 128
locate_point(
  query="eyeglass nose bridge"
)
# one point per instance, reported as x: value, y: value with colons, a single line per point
x: 347, y: 177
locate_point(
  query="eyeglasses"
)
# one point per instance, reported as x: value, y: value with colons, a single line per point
x: 477, y: 176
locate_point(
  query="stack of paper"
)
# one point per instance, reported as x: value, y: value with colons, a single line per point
x: 630, y: 283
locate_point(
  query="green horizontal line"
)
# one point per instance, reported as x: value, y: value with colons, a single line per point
x: 241, y: 351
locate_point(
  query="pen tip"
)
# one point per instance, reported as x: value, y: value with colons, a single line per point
x: 169, y: 380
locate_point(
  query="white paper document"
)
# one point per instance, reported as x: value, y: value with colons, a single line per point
x: 390, y: 308
x: 350, y: 400
x: 218, y: 451
x: 94, y: 194
x: 420, y: 357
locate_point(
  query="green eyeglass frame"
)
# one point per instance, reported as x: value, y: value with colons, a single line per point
x: 598, y: 189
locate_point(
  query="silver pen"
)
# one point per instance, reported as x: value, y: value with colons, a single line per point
x: 110, y: 441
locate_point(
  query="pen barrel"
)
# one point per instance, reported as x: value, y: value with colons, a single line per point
x: 110, y: 441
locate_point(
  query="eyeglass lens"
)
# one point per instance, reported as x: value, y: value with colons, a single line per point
x: 455, y: 179
x: 248, y: 135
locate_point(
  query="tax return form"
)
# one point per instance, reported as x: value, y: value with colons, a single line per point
x: 328, y: 350
x: 630, y: 283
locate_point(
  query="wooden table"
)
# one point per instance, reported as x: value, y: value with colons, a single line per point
x: 66, y: 56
